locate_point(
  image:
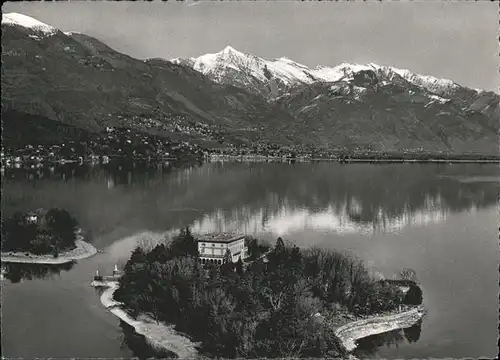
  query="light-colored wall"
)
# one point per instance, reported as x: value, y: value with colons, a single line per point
x: 212, y: 248
x: 207, y: 248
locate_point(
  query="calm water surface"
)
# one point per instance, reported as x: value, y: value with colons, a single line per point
x: 440, y: 220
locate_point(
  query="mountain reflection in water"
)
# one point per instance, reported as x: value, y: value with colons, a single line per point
x: 256, y: 197
x: 435, y: 219
x: 16, y: 273
x: 368, y: 346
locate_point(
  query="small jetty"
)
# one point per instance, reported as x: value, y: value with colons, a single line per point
x: 106, y: 281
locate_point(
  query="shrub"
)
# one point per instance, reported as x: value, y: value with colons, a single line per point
x: 414, y: 295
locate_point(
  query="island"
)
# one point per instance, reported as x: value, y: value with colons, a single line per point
x: 43, y: 237
x: 275, y: 302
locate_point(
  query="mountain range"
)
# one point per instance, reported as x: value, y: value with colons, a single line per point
x: 76, y: 80
x: 249, y: 71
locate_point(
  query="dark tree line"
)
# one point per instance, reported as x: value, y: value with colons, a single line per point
x: 277, y: 306
x: 40, y: 232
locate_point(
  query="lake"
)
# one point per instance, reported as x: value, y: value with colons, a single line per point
x: 440, y: 220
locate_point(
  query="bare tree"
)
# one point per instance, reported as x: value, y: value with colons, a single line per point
x: 408, y: 274
x: 147, y: 243
x: 275, y: 299
x: 291, y: 348
x: 152, y: 304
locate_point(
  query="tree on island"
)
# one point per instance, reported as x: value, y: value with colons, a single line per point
x: 61, y: 225
x: 408, y: 274
x: 227, y: 263
x: 254, y: 248
x: 239, y: 267
x: 184, y: 244
x: 17, y: 233
x: 414, y: 295
x: 280, y: 245
x: 228, y: 258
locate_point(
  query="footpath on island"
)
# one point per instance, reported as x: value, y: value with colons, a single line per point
x: 82, y: 250
x: 158, y: 335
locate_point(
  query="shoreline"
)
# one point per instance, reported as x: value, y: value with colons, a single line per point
x: 83, y: 250
x: 349, y: 333
x: 159, y: 336
x: 261, y: 158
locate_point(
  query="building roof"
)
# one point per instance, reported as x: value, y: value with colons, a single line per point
x: 220, y: 237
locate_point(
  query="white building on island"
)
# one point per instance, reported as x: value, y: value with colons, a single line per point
x: 213, y: 247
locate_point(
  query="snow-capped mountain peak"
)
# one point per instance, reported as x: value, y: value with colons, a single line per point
x: 15, y: 19
x: 70, y: 33
x: 288, y: 72
x: 229, y: 59
x: 228, y: 50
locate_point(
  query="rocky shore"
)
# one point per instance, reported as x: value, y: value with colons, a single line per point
x: 349, y: 333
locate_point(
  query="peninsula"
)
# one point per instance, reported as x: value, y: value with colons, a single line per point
x: 158, y: 335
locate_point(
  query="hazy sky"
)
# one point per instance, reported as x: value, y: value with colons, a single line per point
x: 451, y: 39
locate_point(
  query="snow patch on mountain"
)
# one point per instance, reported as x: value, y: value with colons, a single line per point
x: 344, y: 72
x: 439, y: 99
x: 429, y: 82
x: 289, y: 71
x: 358, y: 91
x: 329, y: 74
x: 70, y: 33
x: 15, y: 19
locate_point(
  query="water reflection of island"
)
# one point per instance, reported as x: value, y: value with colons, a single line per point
x: 368, y: 346
x: 16, y: 273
